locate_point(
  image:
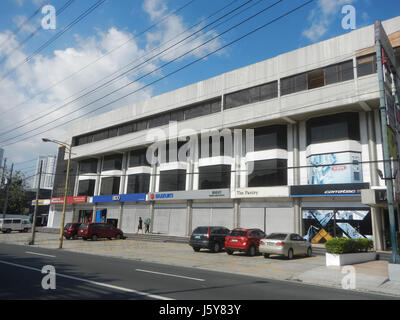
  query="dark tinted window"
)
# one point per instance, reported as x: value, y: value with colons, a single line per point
x: 339, y: 72
x: 172, y: 180
x: 128, y: 128
x: 236, y: 233
x: 110, y: 186
x: 88, y: 166
x: 113, y: 162
x: 16, y: 221
x: 215, y: 177
x: 138, y: 158
x: 316, y: 79
x: 272, y: 137
x: 268, y: 173
x: 251, y: 95
x: 366, y: 65
x: 200, y: 230
x: 294, y: 84
x: 198, y: 111
x: 333, y: 128
x: 276, y: 236
x: 138, y: 183
x: 86, y: 187
x: 160, y: 120
x: 83, y: 226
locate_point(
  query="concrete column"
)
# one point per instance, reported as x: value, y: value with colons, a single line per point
x: 121, y: 212
x: 98, y: 177
x: 122, y: 184
x: 296, y: 178
x: 152, y: 190
x: 377, y: 229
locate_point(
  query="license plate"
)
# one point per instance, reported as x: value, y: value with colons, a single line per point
x: 197, y: 237
x: 234, y: 240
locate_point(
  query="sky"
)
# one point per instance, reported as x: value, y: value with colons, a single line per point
x: 49, y: 77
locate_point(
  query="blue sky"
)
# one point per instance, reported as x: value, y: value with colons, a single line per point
x: 30, y: 90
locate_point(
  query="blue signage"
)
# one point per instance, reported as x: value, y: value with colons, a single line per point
x: 120, y: 198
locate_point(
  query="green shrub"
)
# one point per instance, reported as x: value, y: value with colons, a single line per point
x: 345, y: 245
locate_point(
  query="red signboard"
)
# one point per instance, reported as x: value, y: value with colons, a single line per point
x: 70, y: 200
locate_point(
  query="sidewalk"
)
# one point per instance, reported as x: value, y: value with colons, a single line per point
x: 367, y: 277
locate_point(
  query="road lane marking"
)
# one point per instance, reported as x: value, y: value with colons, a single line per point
x: 169, y: 275
x: 40, y: 254
x: 100, y: 284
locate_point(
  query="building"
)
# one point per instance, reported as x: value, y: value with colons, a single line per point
x: 316, y: 144
x: 48, y: 172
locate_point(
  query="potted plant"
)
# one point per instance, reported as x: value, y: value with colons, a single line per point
x: 344, y: 251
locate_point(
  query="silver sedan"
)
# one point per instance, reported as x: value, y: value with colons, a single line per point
x: 285, y: 244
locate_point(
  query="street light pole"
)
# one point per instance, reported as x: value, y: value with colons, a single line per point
x: 32, y: 242
x: 8, y: 184
x: 68, y: 147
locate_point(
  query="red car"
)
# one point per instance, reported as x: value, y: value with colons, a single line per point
x: 244, y: 240
x: 95, y: 231
x: 71, y: 230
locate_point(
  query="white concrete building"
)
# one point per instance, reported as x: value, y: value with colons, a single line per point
x: 317, y: 105
x: 48, y: 172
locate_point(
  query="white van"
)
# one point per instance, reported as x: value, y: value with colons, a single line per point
x: 13, y: 224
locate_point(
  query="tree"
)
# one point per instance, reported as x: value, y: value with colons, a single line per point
x: 16, y: 194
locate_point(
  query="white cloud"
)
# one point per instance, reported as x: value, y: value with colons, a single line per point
x: 322, y: 17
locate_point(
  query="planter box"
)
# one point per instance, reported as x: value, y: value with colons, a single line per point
x: 349, y: 258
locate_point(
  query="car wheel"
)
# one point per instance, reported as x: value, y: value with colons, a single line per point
x: 26, y: 230
x: 230, y: 252
x: 266, y: 255
x: 67, y: 238
x: 309, y: 252
x: 196, y: 249
x: 290, y: 254
x: 118, y: 236
x: 74, y: 237
x: 252, y: 251
x: 94, y: 237
x: 84, y: 238
x: 217, y: 247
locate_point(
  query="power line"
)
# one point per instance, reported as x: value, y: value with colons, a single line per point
x: 124, y: 73
x: 55, y: 37
x: 102, y: 56
x: 169, y: 74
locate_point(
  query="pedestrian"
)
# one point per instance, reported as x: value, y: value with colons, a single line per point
x: 147, y: 225
x: 140, y: 225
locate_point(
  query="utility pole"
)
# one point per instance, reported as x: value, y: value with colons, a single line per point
x: 32, y: 242
x: 7, y: 191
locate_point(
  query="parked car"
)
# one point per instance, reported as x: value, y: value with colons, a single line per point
x: 71, y: 230
x: 285, y: 244
x: 244, y: 240
x: 95, y: 231
x: 22, y: 225
x: 208, y: 237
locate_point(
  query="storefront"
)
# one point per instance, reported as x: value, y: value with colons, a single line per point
x: 333, y: 210
x: 71, y: 213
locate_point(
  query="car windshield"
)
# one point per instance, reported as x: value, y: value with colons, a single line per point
x: 201, y: 230
x: 83, y: 226
x: 277, y: 236
x: 237, y: 233
x: 68, y: 225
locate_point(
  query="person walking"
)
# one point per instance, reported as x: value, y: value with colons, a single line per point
x: 147, y: 225
x: 140, y: 225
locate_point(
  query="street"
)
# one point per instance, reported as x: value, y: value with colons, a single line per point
x: 81, y: 276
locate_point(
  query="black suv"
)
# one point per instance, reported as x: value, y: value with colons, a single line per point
x: 212, y: 238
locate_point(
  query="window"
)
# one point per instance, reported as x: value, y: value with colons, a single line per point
x: 268, y: 173
x: 251, y: 95
x: 86, y: 188
x: 177, y: 115
x: 294, y: 84
x: 172, y: 180
x: 160, y: 120
x: 128, y: 128
x: 110, y: 186
x: 215, y: 177
x: 137, y: 158
x: 343, y: 126
x: 141, y: 125
x: 339, y: 72
x: 273, y: 137
x: 366, y: 65
x: 197, y: 111
x: 316, y: 79
x: 220, y: 151
x: 113, y: 162
x: 138, y: 183
x: 88, y: 166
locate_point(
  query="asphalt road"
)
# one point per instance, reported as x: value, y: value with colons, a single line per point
x: 80, y: 276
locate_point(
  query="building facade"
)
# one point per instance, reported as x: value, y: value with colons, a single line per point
x: 48, y: 172
x: 294, y: 140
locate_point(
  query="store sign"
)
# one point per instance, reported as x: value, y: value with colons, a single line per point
x: 328, y: 190
x: 335, y: 168
x: 132, y: 197
x: 70, y: 200
x: 42, y: 202
x: 261, y: 192
x: 190, y: 195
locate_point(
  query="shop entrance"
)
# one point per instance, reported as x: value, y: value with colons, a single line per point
x: 85, y: 216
